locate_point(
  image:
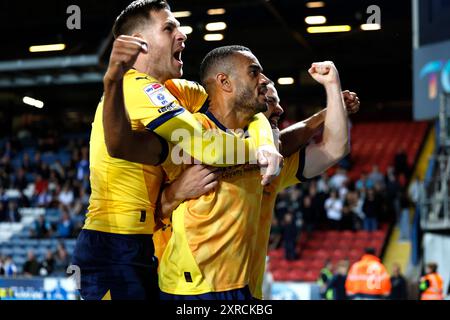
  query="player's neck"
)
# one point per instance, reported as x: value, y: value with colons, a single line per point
x: 226, y: 115
x: 143, y: 67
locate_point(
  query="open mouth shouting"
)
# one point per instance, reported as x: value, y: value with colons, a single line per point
x: 177, y: 55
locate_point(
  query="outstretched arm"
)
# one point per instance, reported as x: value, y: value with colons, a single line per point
x: 297, y: 135
x: 335, y: 143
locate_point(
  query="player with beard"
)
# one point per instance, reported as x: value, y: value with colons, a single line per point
x: 208, y: 254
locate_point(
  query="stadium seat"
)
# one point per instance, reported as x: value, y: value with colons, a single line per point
x: 333, y: 235
x: 329, y: 243
x: 299, y: 264
x: 348, y: 235
x: 345, y: 244
x: 296, y: 275
x: 338, y: 255
x: 316, y: 264
x: 362, y: 235
x: 311, y: 276
x: 276, y: 254
x: 280, y: 275
x: 314, y: 244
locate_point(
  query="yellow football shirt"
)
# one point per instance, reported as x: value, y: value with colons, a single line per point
x: 213, y: 236
x: 290, y: 175
x: 124, y: 193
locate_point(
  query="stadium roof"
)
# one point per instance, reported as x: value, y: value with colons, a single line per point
x: 275, y: 30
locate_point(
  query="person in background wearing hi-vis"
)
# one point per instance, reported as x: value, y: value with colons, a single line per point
x: 324, y: 280
x: 431, y: 284
x: 368, y: 279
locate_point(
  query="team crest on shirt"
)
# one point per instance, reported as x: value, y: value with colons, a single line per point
x: 158, y: 95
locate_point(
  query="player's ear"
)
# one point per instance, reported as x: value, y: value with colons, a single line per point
x: 138, y: 35
x: 223, y: 80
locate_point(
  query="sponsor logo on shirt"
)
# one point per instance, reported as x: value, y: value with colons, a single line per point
x: 152, y: 88
x: 158, y: 95
x: 170, y: 107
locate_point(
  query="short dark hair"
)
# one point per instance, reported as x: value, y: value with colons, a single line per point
x: 135, y: 15
x: 432, y: 266
x: 369, y: 250
x: 216, y: 56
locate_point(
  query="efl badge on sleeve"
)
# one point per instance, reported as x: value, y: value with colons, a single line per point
x: 158, y: 95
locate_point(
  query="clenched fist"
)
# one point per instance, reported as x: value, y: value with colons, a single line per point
x: 324, y: 72
x: 351, y: 101
x: 123, y: 56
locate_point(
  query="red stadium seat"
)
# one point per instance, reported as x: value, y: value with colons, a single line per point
x: 308, y: 254
x: 296, y: 275
x: 311, y: 276
x: 333, y: 235
x: 329, y: 243
x: 283, y: 264
x: 314, y: 244
x: 280, y: 275
x: 298, y: 264
x: 316, y: 264
x: 378, y: 143
x: 379, y: 234
x: 361, y: 243
x: 362, y: 235
x: 345, y: 244
x: 338, y: 255
x: 322, y: 254
x: 276, y: 254
x: 347, y: 235
x: 319, y: 235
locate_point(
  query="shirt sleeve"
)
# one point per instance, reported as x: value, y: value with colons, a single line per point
x: 148, y: 102
x: 191, y: 95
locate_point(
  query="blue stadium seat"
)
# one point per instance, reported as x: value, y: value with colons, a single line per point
x: 17, y: 242
x: 53, y: 215
x: 41, y: 252
x: 23, y: 252
x: 29, y: 176
x: 16, y: 162
x: 64, y: 157
x: 19, y: 260
x: 70, y: 245
x: 29, y: 242
x: 6, y: 251
x: 24, y: 234
x: 46, y: 243
x: 48, y: 158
